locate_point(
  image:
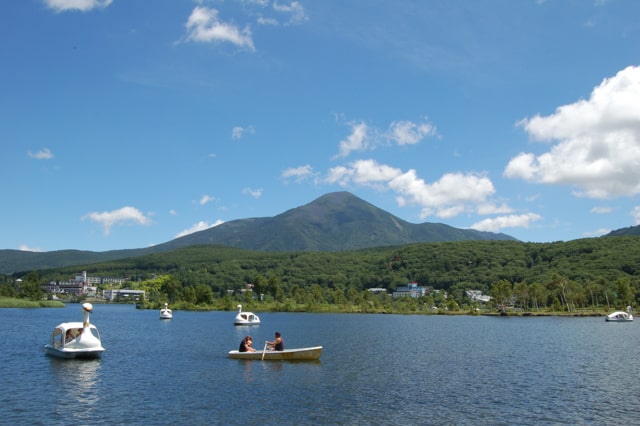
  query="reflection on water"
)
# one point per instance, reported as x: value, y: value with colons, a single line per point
x: 78, y: 384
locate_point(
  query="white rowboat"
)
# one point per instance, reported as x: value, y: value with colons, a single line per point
x: 299, y: 354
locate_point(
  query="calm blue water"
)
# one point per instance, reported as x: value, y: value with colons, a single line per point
x: 375, y: 369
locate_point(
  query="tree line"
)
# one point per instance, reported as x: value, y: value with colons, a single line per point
x: 588, y: 274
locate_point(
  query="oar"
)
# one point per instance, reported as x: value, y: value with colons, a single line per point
x: 264, y: 351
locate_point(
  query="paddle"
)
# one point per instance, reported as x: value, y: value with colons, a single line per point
x: 264, y: 351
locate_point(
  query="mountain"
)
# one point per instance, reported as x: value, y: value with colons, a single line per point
x: 336, y: 221
x: 623, y: 232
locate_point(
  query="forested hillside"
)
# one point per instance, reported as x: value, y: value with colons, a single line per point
x: 568, y: 275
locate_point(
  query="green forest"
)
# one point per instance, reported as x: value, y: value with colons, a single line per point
x: 586, y: 276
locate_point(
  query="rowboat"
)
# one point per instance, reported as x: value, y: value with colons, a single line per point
x: 299, y: 354
x: 75, y: 339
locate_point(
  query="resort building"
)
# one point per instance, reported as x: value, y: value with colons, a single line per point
x: 477, y: 296
x: 411, y: 290
x: 123, y: 293
x: 81, y: 285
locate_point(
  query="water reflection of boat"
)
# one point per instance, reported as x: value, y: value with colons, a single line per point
x: 245, y: 318
x: 299, y: 354
x: 165, y: 313
x: 76, y: 339
x: 620, y: 316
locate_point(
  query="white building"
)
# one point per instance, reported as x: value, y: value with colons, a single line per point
x: 411, y: 290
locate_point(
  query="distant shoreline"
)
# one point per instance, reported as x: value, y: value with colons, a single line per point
x: 24, y: 303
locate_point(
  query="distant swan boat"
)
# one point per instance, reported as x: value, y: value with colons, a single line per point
x: 165, y: 313
x: 76, y: 339
x: 245, y: 318
x: 620, y: 316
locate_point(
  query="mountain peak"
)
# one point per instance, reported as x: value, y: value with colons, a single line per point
x: 336, y: 221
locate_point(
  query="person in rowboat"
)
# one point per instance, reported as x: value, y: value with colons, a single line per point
x: 245, y: 345
x: 277, y: 344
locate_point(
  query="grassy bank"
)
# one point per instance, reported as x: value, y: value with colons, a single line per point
x: 7, y: 302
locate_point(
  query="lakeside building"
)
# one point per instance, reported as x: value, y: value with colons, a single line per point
x: 477, y: 296
x: 123, y: 293
x: 81, y: 285
x: 411, y: 290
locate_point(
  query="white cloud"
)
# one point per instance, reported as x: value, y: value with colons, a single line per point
x: 402, y: 132
x: 267, y: 21
x: 81, y: 5
x: 362, y: 172
x: 597, y: 233
x: 409, y: 133
x: 601, y: 210
x: 451, y: 195
x: 597, y: 142
x: 298, y: 173
x: 636, y: 215
x: 255, y: 193
x: 43, y: 154
x: 200, y: 226
x: 510, y: 221
x: 296, y: 12
x: 24, y: 247
x: 238, y: 131
x: 358, y: 140
x: 114, y: 217
x: 205, y: 199
x: 204, y: 26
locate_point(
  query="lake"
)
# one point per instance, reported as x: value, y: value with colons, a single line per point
x: 374, y: 370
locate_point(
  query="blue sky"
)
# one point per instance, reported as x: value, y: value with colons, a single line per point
x: 128, y: 123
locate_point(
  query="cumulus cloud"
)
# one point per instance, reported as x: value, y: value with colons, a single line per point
x: 409, y: 133
x: 509, y: 221
x: 451, y: 195
x: 80, y: 5
x: 238, y: 131
x: 204, y: 26
x: 123, y: 215
x: 43, y: 154
x: 200, y: 226
x: 595, y: 142
x: 298, y: 173
x: 255, y: 193
x: 364, y: 137
x: 636, y: 215
x: 295, y: 11
x: 205, y: 199
x: 358, y: 140
x: 24, y: 247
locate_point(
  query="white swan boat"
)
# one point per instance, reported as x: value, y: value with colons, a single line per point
x: 620, y: 316
x: 166, y: 313
x: 300, y: 354
x: 245, y: 318
x: 76, y: 339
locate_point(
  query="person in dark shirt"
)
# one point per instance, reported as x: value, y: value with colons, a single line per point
x: 245, y: 345
x: 277, y: 344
